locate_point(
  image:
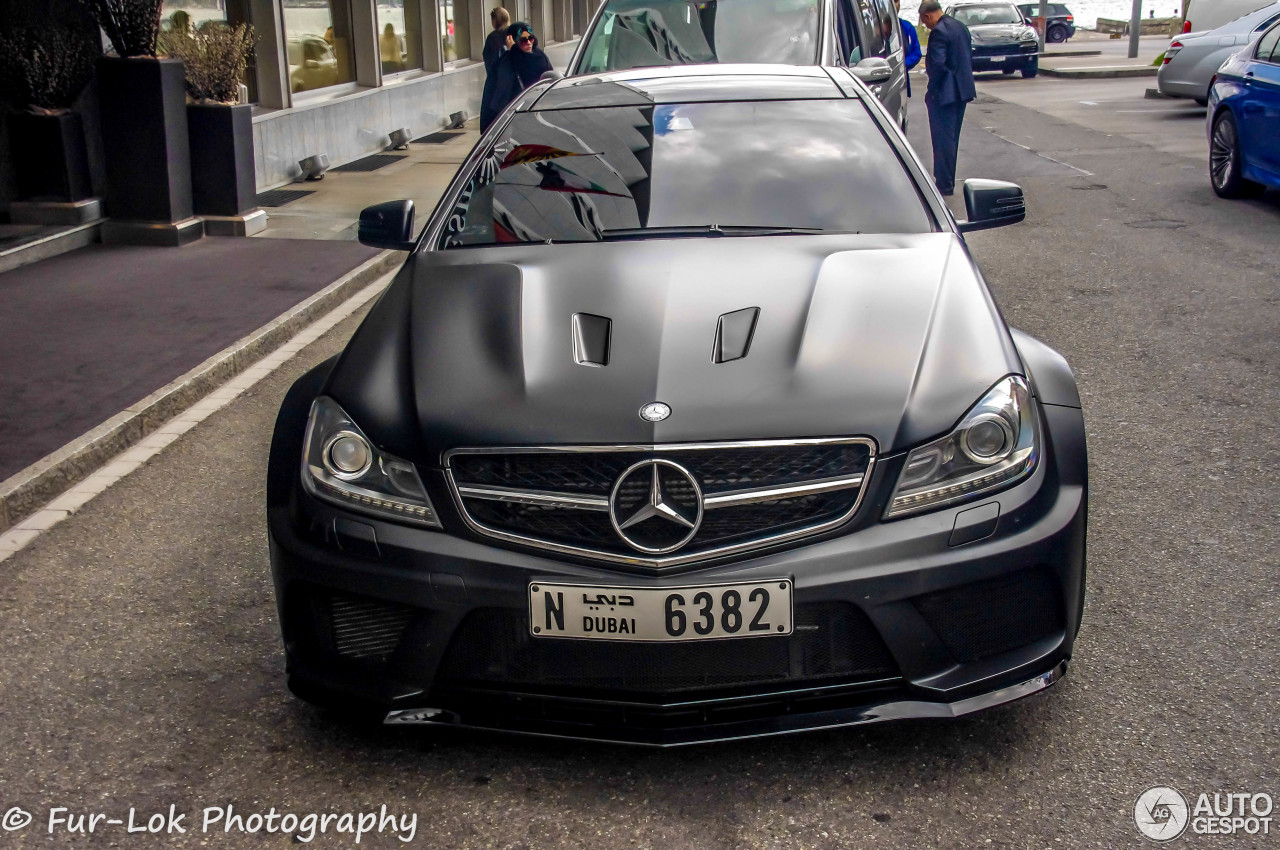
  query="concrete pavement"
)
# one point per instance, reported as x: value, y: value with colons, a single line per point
x: 141, y: 664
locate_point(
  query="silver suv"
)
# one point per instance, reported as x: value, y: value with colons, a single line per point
x: 863, y: 35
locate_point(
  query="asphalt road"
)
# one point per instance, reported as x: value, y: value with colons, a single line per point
x: 141, y: 667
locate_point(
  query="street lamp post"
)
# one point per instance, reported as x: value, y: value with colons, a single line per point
x: 1135, y: 26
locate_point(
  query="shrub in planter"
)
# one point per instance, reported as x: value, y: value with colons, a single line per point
x: 221, y: 131
x: 132, y: 26
x: 144, y: 129
x: 43, y: 68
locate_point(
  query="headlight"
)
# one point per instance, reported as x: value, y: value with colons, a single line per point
x: 996, y: 443
x: 340, y: 465
x: 1029, y: 35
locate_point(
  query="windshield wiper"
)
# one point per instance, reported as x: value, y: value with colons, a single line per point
x: 704, y: 230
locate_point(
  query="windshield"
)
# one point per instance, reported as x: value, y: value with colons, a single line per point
x: 749, y: 168
x: 976, y: 16
x: 647, y: 33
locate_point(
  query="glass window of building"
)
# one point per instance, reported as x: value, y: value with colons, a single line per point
x: 190, y: 16
x: 319, y: 43
x: 455, y: 32
x: 399, y: 35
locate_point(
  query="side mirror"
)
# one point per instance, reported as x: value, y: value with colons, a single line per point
x: 551, y: 75
x: 991, y: 203
x: 872, y: 70
x: 388, y: 225
x: 312, y: 64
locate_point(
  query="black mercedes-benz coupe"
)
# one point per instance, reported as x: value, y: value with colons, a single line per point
x: 688, y: 418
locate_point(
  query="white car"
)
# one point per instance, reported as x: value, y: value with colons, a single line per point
x: 1192, y: 59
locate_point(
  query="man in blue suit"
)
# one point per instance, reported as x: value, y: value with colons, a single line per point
x: 948, y: 61
x: 911, y: 55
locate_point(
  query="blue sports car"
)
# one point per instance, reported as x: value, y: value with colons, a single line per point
x: 1244, y: 120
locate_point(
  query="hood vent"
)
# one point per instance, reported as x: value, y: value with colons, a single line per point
x: 591, y: 339
x: 733, y: 334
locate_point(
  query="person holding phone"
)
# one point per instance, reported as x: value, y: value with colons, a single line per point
x: 520, y: 67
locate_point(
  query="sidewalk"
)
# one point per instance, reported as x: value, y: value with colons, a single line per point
x: 331, y: 207
x: 86, y: 334
x: 99, y: 344
x: 1101, y: 57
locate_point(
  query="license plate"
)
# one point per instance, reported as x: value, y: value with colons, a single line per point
x: 629, y: 613
x: 995, y: 58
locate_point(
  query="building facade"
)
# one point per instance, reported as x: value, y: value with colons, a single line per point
x: 337, y: 76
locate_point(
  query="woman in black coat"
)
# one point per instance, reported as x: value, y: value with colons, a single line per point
x: 520, y: 67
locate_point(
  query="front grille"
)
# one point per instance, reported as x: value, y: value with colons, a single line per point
x: 1005, y: 50
x: 366, y: 629
x: 986, y: 618
x: 527, y: 496
x: 832, y: 642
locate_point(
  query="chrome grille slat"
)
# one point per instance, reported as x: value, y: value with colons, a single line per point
x: 756, y: 493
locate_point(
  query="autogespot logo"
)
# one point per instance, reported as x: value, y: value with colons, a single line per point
x: 1161, y: 813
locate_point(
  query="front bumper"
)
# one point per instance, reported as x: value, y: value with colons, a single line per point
x: 909, y: 618
x: 992, y: 57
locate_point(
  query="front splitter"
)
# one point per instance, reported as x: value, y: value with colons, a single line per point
x: 786, y: 725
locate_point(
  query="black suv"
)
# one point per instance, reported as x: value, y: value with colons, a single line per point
x: 1062, y: 24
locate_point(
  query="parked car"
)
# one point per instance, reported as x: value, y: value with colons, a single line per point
x: 1190, y: 61
x: 862, y: 34
x: 1060, y: 24
x: 1244, y: 120
x: 1205, y: 15
x: 1002, y: 41
x: 689, y: 417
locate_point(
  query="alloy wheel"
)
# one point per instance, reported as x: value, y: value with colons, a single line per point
x: 1222, y: 153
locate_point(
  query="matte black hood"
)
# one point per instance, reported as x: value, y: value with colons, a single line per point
x: 892, y: 337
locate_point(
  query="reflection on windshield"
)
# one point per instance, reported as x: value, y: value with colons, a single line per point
x: 646, y: 33
x: 584, y: 175
x: 976, y: 16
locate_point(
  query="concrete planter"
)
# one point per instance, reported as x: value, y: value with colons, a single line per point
x: 51, y: 162
x: 222, y: 168
x: 147, y: 152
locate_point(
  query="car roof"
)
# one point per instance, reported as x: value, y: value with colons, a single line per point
x: 686, y: 83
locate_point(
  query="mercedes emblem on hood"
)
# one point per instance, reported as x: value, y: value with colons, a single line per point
x: 655, y: 411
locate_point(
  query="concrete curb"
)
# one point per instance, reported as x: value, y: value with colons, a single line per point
x: 23, y: 493
x: 65, y: 240
x: 1101, y: 73
x: 1057, y: 54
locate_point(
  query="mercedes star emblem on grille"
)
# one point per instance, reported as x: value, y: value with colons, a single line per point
x: 656, y: 506
x: 655, y: 411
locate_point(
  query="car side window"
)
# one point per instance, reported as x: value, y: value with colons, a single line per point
x: 889, y: 25
x: 1268, y: 22
x: 847, y: 30
x: 1267, y: 51
x: 875, y: 44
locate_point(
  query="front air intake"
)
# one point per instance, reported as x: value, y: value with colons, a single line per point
x: 366, y: 629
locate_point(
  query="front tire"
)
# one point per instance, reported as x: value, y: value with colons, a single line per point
x: 1007, y: 71
x: 1225, y: 165
x: 1031, y: 69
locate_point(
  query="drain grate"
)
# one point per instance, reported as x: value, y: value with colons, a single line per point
x: 280, y: 197
x: 438, y: 138
x: 370, y: 163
